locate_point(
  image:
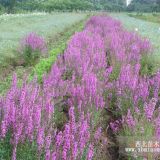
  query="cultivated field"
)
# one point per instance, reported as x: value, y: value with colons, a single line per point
x: 14, y: 27
x: 95, y: 96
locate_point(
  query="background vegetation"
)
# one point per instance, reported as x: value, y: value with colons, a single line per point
x: 11, y: 6
x: 14, y: 6
x: 144, y: 6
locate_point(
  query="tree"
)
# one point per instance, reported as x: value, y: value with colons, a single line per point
x: 8, y: 4
x: 158, y: 2
x: 63, y: 5
x: 142, y: 5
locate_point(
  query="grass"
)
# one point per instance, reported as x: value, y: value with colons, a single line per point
x: 151, y: 17
x: 146, y: 29
x: 13, y: 28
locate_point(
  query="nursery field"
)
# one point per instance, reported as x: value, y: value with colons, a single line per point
x: 95, y: 96
x: 15, y: 27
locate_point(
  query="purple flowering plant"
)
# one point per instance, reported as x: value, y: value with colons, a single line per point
x: 32, y: 47
x: 79, y: 86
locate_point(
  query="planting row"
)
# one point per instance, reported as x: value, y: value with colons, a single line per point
x: 62, y: 117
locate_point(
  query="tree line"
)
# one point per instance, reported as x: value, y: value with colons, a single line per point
x: 11, y: 6
x: 144, y: 6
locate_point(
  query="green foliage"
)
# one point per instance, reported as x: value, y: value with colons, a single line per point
x: 9, y: 5
x: 114, y: 5
x: 64, y: 5
x: 29, y: 5
x: 5, y: 148
x: 2, y: 9
x: 147, y: 65
x: 144, y: 6
x: 27, y: 151
x: 60, y: 118
x: 115, y: 73
x: 5, y: 85
x: 67, y: 5
x: 154, y: 17
x: 44, y: 66
x: 30, y: 56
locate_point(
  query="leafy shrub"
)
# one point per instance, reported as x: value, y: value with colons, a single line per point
x: 32, y: 48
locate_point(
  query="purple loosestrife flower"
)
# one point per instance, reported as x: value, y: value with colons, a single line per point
x: 72, y: 119
x: 59, y: 139
x: 115, y: 126
x: 137, y: 110
x: 84, y: 135
x: 157, y: 127
x: 14, y: 153
x: 40, y: 139
x: 18, y: 132
x: 97, y: 134
x: 126, y: 46
x: 155, y: 83
x: 143, y: 89
x: 75, y: 150
x: 150, y: 108
x: 48, y: 140
x: 64, y: 153
x: 54, y: 156
x: 37, y: 117
x: 29, y: 130
x: 73, y: 132
x: 90, y: 152
x: 70, y: 143
x: 67, y: 141
x: 35, y: 42
x: 48, y: 155
x: 3, y: 129
x: 130, y: 120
